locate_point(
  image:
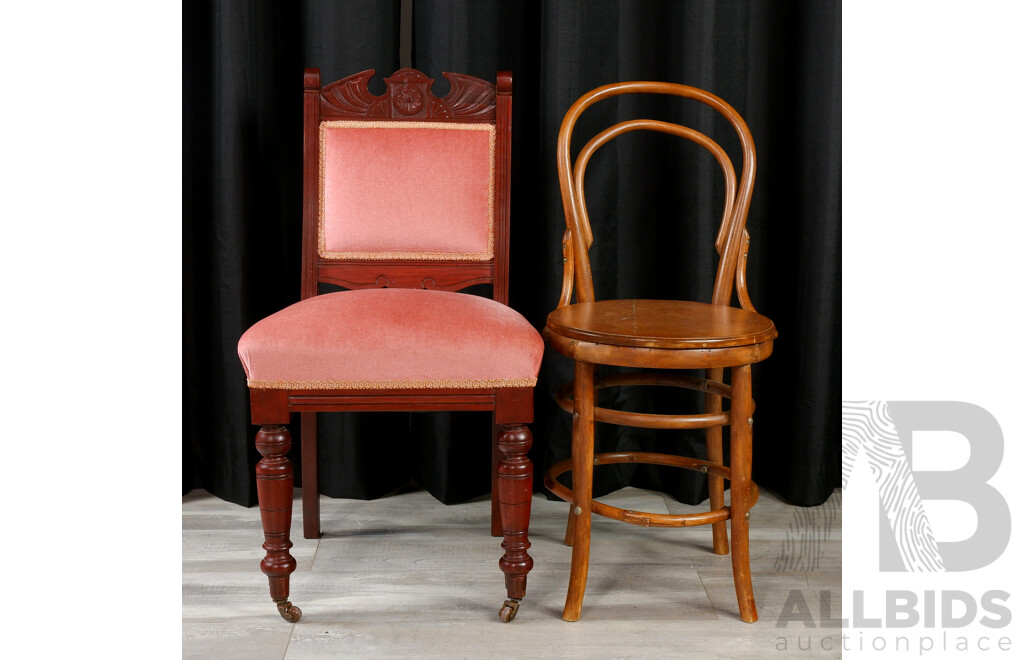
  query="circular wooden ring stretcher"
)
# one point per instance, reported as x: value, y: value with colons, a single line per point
x: 650, y: 420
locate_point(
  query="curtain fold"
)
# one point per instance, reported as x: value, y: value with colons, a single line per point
x: 777, y: 63
x: 242, y: 198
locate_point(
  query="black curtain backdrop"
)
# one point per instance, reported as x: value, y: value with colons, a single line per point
x: 655, y: 207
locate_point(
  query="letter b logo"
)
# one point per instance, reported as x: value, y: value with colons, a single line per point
x: 883, y: 431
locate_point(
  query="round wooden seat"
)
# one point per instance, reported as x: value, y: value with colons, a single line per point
x: 675, y: 334
x: 677, y: 324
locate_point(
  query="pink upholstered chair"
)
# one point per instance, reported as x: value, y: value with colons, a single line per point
x: 405, y: 203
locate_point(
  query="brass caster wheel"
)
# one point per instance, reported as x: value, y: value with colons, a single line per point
x: 289, y: 612
x: 509, y: 610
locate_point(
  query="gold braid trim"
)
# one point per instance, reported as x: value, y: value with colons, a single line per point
x: 453, y: 384
x: 427, y: 256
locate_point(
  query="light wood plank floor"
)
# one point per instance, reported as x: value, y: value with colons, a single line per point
x: 406, y: 576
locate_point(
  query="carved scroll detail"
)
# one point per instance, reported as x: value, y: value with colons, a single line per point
x: 431, y: 283
x: 350, y: 96
x: 469, y: 96
x: 408, y: 96
x: 380, y: 282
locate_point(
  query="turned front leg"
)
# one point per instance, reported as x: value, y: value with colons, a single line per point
x: 515, y: 492
x: 274, y: 481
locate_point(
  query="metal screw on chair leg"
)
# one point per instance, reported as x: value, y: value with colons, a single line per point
x: 578, y: 511
x: 750, y: 421
x: 746, y: 516
x: 704, y: 469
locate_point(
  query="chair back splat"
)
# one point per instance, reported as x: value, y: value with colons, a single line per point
x: 405, y: 204
x: 660, y: 339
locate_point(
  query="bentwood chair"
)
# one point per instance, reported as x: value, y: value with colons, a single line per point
x: 405, y: 203
x: 659, y: 337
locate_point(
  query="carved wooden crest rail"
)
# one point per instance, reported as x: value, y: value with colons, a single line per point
x: 409, y: 96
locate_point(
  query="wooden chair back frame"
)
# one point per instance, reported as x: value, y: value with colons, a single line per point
x: 470, y: 100
x: 732, y: 239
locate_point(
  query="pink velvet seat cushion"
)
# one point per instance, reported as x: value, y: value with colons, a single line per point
x: 392, y: 338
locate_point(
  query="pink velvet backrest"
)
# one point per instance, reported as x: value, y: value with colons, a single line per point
x: 406, y: 189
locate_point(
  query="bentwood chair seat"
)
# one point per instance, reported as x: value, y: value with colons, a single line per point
x: 660, y: 340
x: 405, y: 204
x: 675, y: 325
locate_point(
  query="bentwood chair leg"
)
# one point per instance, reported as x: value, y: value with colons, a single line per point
x: 741, y: 423
x: 716, y: 484
x: 582, y: 487
x: 310, y: 478
x: 274, y: 482
x: 570, y: 526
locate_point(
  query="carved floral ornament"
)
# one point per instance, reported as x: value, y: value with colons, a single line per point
x: 407, y: 100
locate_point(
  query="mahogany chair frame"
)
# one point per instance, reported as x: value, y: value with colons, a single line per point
x: 408, y: 97
x: 665, y: 336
